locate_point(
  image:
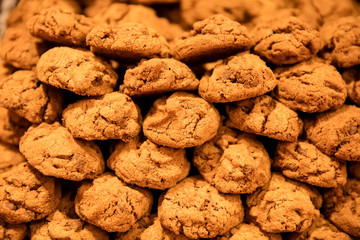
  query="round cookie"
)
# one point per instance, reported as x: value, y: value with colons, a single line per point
x: 198, y: 210
x: 158, y: 76
x: 127, y: 42
x: 238, y: 78
x: 111, y: 116
x: 264, y: 116
x: 157, y: 232
x: 283, y: 205
x: 12, y: 126
x: 337, y: 132
x: 79, y: 71
x: 354, y: 169
x: 134, y: 160
x: 23, y: 93
x: 12, y: 231
x: 52, y: 150
x: 137, y: 229
x: 302, y: 161
x: 245, y: 231
x: 180, y: 121
x: 341, y: 41
x: 26, y: 194
x: 211, y: 39
x: 233, y: 162
x: 10, y: 156
x: 59, y: 26
x: 341, y: 207
x: 285, y: 40
x: 109, y: 203
x: 352, y: 80
x: 310, y: 86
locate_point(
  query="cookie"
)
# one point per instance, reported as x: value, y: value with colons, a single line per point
x: 158, y: 76
x: 10, y: 156
x: 196, y: 209
x: 351, y: 77
x: 12, y: 231
x: 245, y: 231
x: 238, y: 78
x: 310, y: 86
x: 112, y: 116
x: 134, y: 160
x: 157, y: 232
x: 341, y: 207
x: 128, y: 42
x: 180, y: 121
x: 233, y: 162
x: 79, y: 71
x: 52, y: 150
x: 302, y: 161
x: 341, y: 41
x: 321, y: 229
x: 109, y: 203
x: 283, y: 205
x: 337, y: 132
x: 59, y: 26
x: 285, y: 41
x: 21, y: 50
x: 12, y: 126
x: 23, y: 93
x: 354, y: 169
x: 26, y: 194
x: 211, y: 39
x: 264, y: 116
x: 137, y: 229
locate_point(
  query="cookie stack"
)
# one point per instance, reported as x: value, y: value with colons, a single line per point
x: 190, y: 119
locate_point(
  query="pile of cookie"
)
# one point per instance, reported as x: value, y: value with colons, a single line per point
x: 190, y: 119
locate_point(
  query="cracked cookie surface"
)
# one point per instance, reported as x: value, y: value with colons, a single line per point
x: 52, y: 150
x: 180, y: 121
x: 137, y: 229
x: 157, y: 232
x: 12, y: 231
x: 351, y: 77
x: 10, y: 156
x: 12, y: 126
x: 76, y: 70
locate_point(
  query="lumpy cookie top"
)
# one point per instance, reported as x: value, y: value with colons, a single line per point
x: 310, y: 86
x: 352, y: 80
x: 182, y: 120
x: 133, y: 161
x: 127, y: 42
x: 245, y: 231
x: 336, y: 132
x: 26, y: 194
x: 233, y: 162
x: 23, y: 93
x: 302, y: 161
x: 341, y: 41
x: 157, y: 232
x: 198, y: 210
x: 137, y: 229
x: 52, y: 150
x: 157, y: 76
x: 265, y: 116
x: 284, y: 205
x: 109, y: 203
x: 10, y: 156
x: 59, y: 26
x: 76, y: 70
x: 12, y: 231
x: 211, y: 39
x: 238, y: 78
x: 112, y: 116
x: 12, y: 126
x: 285, y: 41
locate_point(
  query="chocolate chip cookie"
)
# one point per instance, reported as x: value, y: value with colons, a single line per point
x: 10, y: 156
x: 12, y: 126
x: 352, y: 80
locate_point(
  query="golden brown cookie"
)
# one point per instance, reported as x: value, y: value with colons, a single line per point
x: 284, y: 205
x: 112, y: 116
x: 137, y: 229
x: 264, y: 116
x: 157, y: 232
x: 337, y: 132
x: 310, y: 86
x: 285, y: 41
x: 52, y: 150
x: 12, y: 231
x: 146, y: 164
x: 23, y: 93
x: 302, y: 161
x: 12, y: 126
x: 233, y: 162
x: 10, y: 156
x: 211, y: 39
x: 352, y: 80
x: 354, y: 169
x: 26, y: 194
x: 76, y: 70
x: 245, y: 231
x: 158, y: 76
x: 198, y: 210
x: 180, y: 121
x: 341, y: 207
x: 127, y: 42
x: 109, y: 203
x: 238, y: 78
x: 59, y: 26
